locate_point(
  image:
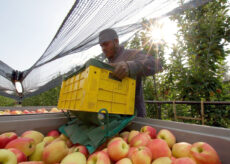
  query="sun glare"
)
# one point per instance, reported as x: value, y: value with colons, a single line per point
x: 163, y: 30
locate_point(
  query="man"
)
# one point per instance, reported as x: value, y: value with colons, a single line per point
x: 128, y: 63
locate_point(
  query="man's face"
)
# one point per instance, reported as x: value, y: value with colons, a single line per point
x: 109, y: 48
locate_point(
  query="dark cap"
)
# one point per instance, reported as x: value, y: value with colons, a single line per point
x: 107, y: 35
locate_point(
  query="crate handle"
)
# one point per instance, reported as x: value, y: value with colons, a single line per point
x: 111, y: 76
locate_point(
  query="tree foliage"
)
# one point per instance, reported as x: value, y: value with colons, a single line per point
x: 48, y: 98
x: 196, y: 63
x: 4, y: 101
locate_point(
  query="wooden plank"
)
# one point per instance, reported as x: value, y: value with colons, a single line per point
x: 189, y: 102
x: 174, y: 111
x: 202, y: 111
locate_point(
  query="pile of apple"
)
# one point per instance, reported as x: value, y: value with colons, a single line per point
x: 41, y: 110
x: 135, y: 147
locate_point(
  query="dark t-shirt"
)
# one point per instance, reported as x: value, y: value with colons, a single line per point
x: 139, y: 65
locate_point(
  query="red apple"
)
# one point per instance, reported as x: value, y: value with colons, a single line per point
x: 204, y: 153
x: 19, y: 154
x: 140, y: 140
x: 99, y: 157
x: 181, y: 149
x: 142, y: 155
x: 159, y: 148
x: 82, y: 149
x: 55, y: 152
x: 26, y: 112
x: 38, y: 111
x: 35, y: 135
x: 5, y: 138
x: 53, y: 133
x: 113, y: 139
x: 166, y: 135
x: 132, y: 134
x: 150, y: 131
x: 118, y: 149
x: 184, y: 160
x: 26, y: 145
x: 131, y: 150
x: 173, y: 159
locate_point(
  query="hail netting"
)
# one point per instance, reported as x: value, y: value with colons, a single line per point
x: 76, y: 39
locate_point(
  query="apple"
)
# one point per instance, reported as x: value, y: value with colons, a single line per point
x: 132, y: 134
x: 19, y: 154
x: 113, y: 139
x: 106, y: 151
x: 173, y: 158
x: 48, y: 139
x: 149, y: 130
x: 5, y: 138
x: 7, y: 157
x: 39, y: 111
x: 142, y: 155
x: 124, y: 161
x: 204, y: 153
x: 32, y: 162
x: 16, y: 112
x: 118, y: 149
x: 26, y: 112
x: 42, y: 110
x: 26, y: 145
x: 159, y: 148
x: 140, y: 140
x: 99, y: 157
x: 55, y: 152
x: 125, y: 136
x: 53, y: 110
x: 66, y: 139
x: 167, y: 136
x: 185, y: 160
x: 82, y: 149
x: 53, y: 133
x: 37, y: 136
x: 7, y: 112
x: 131, y: 150
x: 74, y: 158
x: 181, y: 149
x: 162, y: 160
x: 37, y: 154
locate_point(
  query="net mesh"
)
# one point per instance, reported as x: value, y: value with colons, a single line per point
x: 76, y: 40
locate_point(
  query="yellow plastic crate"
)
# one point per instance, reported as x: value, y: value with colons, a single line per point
x: 92, y: 88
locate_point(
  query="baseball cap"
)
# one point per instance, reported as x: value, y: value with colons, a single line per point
x: 107, y: 35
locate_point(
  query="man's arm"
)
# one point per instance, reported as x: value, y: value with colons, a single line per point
x: 143, y: 65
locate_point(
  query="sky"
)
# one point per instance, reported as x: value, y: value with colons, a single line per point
x: 28, y: 26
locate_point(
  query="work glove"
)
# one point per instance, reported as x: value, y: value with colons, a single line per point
x: 121, y: 69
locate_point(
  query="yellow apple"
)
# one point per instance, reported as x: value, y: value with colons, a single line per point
x: 74, y: 158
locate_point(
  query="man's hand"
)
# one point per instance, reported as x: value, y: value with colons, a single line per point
x: 121, y: 69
